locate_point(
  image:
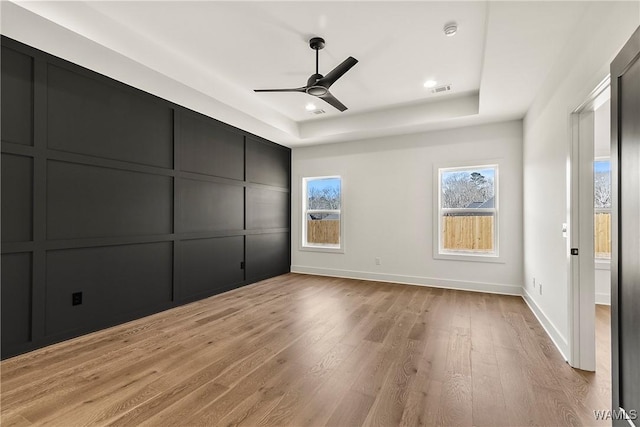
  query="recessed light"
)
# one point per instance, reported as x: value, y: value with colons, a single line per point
x: 450, y: 29
x: 310, y: 107
x: 430, y: 83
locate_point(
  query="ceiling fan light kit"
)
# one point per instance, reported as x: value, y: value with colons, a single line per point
x: 317, y: 84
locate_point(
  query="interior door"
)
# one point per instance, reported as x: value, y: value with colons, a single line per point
x: 625, y: 231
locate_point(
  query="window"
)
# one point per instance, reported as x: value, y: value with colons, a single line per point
x: 321, y: 217
x: 468, y: 208
x: 602, y: 209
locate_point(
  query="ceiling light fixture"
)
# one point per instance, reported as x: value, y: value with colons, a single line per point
x: 450, y: 29
x: 310, y: 107
x: 430, y: 83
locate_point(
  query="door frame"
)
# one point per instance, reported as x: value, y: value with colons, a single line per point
x: 581, y: 267
x: 623, y: 60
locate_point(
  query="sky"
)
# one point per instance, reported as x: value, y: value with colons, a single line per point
x: 487, y: 173
x: 602, y: 166
x: 321, y: 184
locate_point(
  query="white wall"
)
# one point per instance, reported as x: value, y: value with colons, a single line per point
x: 388, y: 208
x: 602, y: 130
x: 584, y: 64
x: 602, y: 148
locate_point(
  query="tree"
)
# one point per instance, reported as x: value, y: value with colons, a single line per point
x: 478, y: 179
x: 602, y: 190
x: 327, y: 198
x: 459, y: 189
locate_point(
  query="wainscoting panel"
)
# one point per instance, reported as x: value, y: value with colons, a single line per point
x: 210, y: 148
x: 211, y: 206
x: 17, y: 97
x: 210, y: 266
x: 17, y: 198
x: 100, y: 118
x: 16, y: 299
x: 88, y: 201
x: 268, y: 165
x: 117, y: 204
x: 114, y: 281
x: 268, y: 255
x: 267, y: 209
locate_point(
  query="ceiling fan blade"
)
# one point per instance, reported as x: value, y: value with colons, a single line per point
x: 330, y: 99
x: 337, y: 72
x: 298, y: 89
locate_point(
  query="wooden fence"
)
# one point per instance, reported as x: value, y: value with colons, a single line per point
x: 464, y: 232
x: 602, y: 235
x: 323, y: 231
x: 468, y: 232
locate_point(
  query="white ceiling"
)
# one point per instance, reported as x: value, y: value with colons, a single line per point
x: 210, y: 55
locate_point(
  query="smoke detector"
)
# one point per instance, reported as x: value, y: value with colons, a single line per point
x: 450, y: 29
x: 441, y: 89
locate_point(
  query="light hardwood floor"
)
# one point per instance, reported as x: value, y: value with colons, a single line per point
x: 303, y: 350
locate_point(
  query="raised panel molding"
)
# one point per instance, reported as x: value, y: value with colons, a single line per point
x: 88, y: 116
x: 137, y: 203
x: 17, y: 97
x: 210, y: 206
x: 268, y: 255
x: 17, y: 198
x: 210, y: 148
x: 16, y: 299
x: 268, y: 163
x: 211, y: 265
x: 114, y: 281
x: 267, y: 209
x: 86, y: 201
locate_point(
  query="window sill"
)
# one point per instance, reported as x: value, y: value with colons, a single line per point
x: 322, y: 249
x: 496, y: 259
x: 603, y: 264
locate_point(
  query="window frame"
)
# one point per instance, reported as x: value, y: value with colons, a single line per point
x: 465, y: 255
x: 304, y: 245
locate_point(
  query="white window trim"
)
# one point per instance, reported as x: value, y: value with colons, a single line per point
x: 438, y: 253
x: 303, y: 226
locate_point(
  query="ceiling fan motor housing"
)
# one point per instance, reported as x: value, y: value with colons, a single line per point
x: 316, y: 43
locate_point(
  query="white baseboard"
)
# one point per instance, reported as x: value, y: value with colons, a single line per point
x: 556, y: 337
x: 603, y: 299
x: 493, y: 288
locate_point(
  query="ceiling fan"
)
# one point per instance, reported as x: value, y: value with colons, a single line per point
x: 318, y: 85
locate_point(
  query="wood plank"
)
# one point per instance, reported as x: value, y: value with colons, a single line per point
x: 488, y: 400
x: 304, y: 350
x: 456, y: 404
x: 352, y: 410
x: 391, y: 400
x: 296, y: 396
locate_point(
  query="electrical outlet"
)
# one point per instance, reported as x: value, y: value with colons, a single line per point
x: 76, y: 298
x: 377, y: 261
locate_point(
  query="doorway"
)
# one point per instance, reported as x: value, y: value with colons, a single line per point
x: 589, y: 226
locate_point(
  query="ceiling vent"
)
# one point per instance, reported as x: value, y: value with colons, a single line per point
x: 441, y: 89
x: 318, y: 111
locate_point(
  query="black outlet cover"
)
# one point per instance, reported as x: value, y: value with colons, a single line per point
x: 76, y: 298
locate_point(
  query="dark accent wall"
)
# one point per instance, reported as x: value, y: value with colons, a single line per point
x: 125, y: 202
